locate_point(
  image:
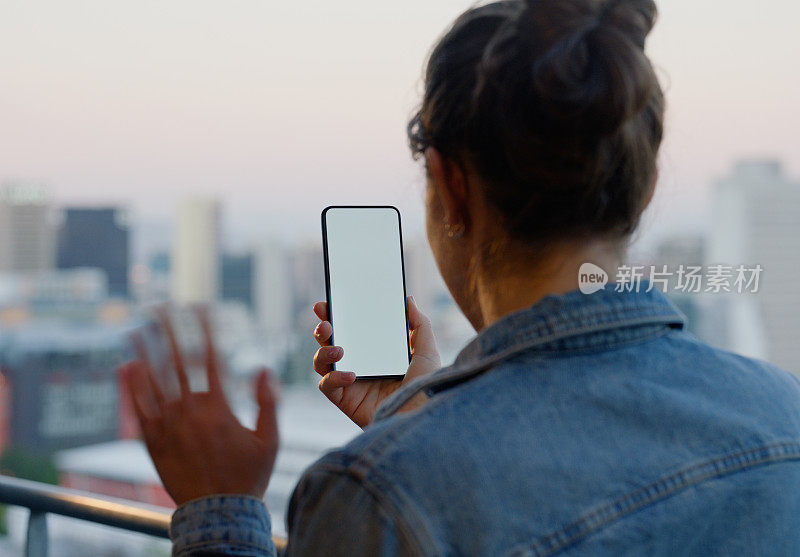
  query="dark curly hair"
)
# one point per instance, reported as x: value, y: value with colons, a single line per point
x: 557, y: 108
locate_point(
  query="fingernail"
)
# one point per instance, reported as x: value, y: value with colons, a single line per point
x: 348, y: 375
x: 316, y: 329
x: 336, y: 352
x: 413, y: 301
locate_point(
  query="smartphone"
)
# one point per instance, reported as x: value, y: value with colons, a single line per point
x: 366, y: 289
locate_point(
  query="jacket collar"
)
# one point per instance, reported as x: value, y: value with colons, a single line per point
x: 554, y: 324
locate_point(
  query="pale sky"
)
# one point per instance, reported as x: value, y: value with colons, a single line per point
x: 281, y: 108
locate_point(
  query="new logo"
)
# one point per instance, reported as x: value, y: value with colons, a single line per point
x: 591, y: 278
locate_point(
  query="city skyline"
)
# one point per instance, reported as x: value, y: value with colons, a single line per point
x: 164, y: 157
x: 275, y: 110
x: 236, y: 237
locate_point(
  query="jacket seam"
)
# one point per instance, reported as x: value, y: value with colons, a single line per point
x: 543, y: 355
x: 598, y: 314
x: 375, y: 448
x: 570, y: 327
x: 661, y: 489
x: 400, y: 517
x: 527, y: 340
x: 558, y: 353
x: 401, y: 426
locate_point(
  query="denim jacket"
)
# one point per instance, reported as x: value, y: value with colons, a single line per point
x: 586, y: 424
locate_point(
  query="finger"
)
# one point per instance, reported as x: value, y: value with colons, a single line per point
x: 323, y: 333
x: 212, y: 363
x: 141, y: 352
x: 267, y: 397
x: 138, y: 389
x: 321, y: 310
x: 177, y: 360
x: 333, y: 384
x: 423, y: 341
x: 326, y: 356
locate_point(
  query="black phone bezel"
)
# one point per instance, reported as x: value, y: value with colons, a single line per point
x: 328, y: 277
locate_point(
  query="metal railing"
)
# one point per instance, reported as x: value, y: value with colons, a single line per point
x: 43, y: 499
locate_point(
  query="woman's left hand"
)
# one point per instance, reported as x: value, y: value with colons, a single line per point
x: 197, y: 445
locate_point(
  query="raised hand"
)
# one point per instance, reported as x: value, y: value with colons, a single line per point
x: 360, y: 399
x: 197, y: 445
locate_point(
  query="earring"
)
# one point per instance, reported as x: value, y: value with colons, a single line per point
x: 455, y: 231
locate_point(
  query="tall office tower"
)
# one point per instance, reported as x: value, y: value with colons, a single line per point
x: 237, y: 277
x: 686, y: 251
x: 27, y: 235
x: 273, y: 288
x: 195, y: 257
x: 756, y: 221
x: 97, y: 238
x: 308, y: 283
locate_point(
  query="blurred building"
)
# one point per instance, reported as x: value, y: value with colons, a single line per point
x: 53, y: 288
x: 687, y: 251
x: 195, y: 256
x: 307, y: 276
x: 681, y: 250
x: 756, y: 221
x: 308, y: 283
x: 160, y: 263
x: 238, y: 278
x: 63, y: 384
x: 274, y: 288
x: 97, y: 238
x: 27, y: 235
x: 61, y: 340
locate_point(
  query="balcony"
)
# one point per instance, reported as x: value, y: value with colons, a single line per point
x: 43, y: 500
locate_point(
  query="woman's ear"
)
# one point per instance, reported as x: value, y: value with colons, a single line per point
x: 450, y: 183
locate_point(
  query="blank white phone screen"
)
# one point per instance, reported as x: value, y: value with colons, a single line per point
x: 367, y: 296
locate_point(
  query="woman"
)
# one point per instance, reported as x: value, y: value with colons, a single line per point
x: 572, y: 423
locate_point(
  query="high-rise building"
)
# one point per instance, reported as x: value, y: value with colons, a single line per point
x: 307, y: 273
x: 273, y: 288
x: 63, y: 382
x: 756, y: 221
x: 686, y: 251
x: 237, y: 278
x: 27, y: 235
x: 195, y: 257
x: 97, y: 238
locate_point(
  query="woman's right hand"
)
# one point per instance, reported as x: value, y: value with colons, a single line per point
x: 360, y: 399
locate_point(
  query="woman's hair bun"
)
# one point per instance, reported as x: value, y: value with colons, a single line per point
x: 586, y: 60
x: 634, y: 18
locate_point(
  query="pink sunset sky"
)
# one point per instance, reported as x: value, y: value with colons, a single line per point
x: 280, y: 108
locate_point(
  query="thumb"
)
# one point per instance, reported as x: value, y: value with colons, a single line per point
x: 267, y: 397
x: 423, y: 342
